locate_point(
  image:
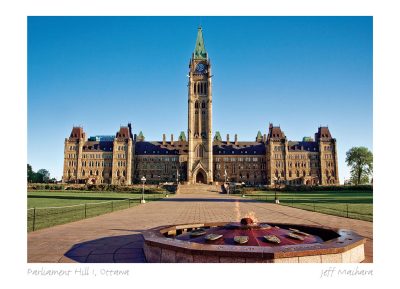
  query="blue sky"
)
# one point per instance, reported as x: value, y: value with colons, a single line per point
x: 103, y: 72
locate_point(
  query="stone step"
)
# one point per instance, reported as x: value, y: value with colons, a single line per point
x: 199, y: 189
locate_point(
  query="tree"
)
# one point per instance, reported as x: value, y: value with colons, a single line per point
x: 43, y: 176
x: 359, y: 159
x: 31, y: 174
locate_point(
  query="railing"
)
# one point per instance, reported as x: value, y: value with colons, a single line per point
x: 330, y: 207
x: 40, y: 218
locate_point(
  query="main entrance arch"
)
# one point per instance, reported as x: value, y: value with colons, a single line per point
x: 201, y: 177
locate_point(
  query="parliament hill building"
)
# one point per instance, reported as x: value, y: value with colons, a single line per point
x: 200, y: 157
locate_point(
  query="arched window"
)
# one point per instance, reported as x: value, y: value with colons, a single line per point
x: 203, y: 105
x: 290, y: 174
x: 276, y: 173
x: 304, y: 173
x: 83, y: 173
x: 97, y: 172
x: 199, y: 151
x: 91, y: 172
x: 297, y: 173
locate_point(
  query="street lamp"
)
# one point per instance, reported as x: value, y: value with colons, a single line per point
x: 276, y: 182
x: 142, y: 201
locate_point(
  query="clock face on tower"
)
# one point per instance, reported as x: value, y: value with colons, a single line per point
x: 201, y: 68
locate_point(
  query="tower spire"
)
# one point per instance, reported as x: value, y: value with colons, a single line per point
x: 200, y: 49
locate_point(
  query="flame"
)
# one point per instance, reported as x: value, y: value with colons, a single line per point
x: 237, y: 211
x: 252, y: 216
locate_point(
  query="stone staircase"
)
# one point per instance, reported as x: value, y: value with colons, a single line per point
x: 199, y: 189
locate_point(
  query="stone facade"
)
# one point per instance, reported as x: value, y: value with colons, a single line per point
x: 269, y: 160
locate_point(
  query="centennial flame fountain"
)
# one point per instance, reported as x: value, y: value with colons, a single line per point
x: 249, y: 241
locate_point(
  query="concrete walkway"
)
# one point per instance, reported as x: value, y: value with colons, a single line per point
x: 116, y: 237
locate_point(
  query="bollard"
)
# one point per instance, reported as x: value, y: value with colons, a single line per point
x: 85, y: 211
x: 34, y: 219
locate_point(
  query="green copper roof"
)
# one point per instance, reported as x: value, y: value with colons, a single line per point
x: 308, y: 139
x: 182, y: 136
x: 217, y: 136
x: 141, y: 136
x: 259, y: 135
x: 200, y: 49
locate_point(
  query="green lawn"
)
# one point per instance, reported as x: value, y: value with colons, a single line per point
x: 50, y: 208
x: 351, y: 204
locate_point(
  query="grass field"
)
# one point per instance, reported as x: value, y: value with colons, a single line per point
x: 50, y: 208
x: 350, y: 204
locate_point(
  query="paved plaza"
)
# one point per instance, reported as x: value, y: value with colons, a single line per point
x: 116, y: 237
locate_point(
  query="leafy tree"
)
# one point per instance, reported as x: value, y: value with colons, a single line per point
x: 42, y: 176
x: 31, y: 174
x: 360, y: 160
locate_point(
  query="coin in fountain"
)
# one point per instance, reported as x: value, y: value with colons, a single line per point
x: 295, y: 236
x: 241, y: 239
x: 198, y: 232
x: 299, y: 232
x: 272, y: 239
x: 212, y: 237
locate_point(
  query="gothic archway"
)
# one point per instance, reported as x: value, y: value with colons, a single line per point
x: 200, y: 177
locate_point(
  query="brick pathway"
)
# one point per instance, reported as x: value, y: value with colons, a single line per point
x: 116, y: 237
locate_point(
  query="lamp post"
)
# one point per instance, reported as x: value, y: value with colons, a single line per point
x: 142, y: 201
x: 276, y: 182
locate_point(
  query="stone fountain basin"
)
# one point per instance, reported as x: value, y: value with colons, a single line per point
x: 336, y: 246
